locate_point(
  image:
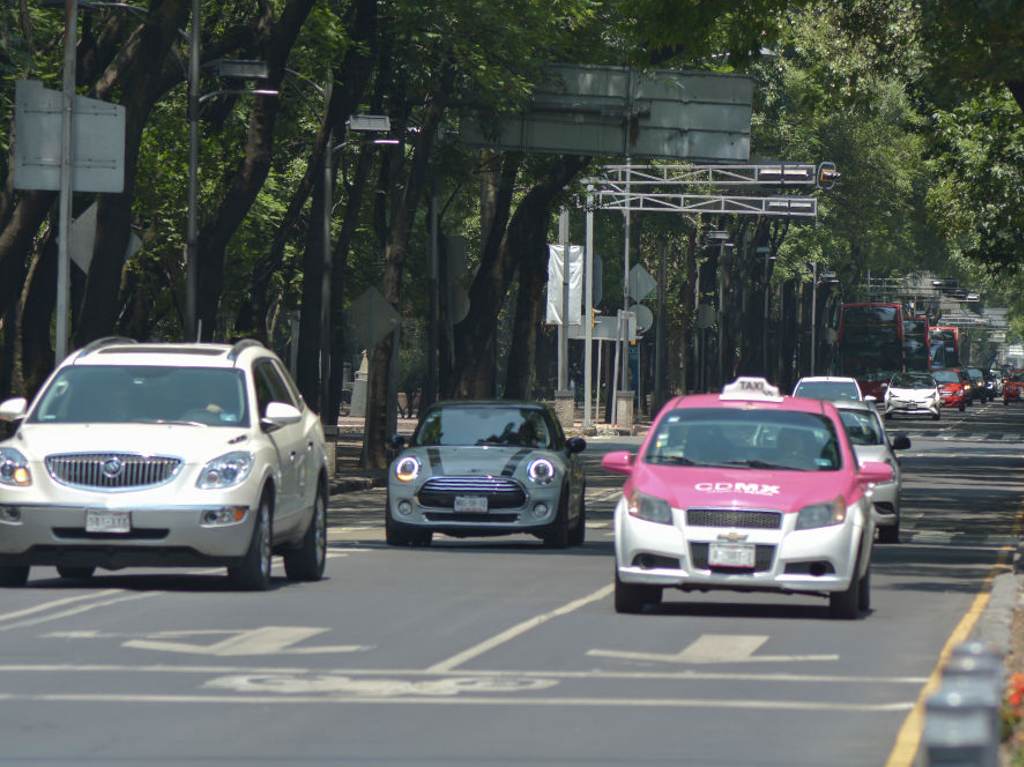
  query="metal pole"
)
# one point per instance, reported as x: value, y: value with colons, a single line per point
x: 327, y: 258
x: 764, y: 325
x: 588, y: 314
x: 597, y: 396
x: 721, y: 316
x: 192, y: 232
x: 615, y: 367
x: 625, y: 273
x: 63, y: 256
x: 814, y: 315
x: 433, y: 352
x: 563, y: 329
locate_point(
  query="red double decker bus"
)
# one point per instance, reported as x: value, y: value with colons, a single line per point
x: 945, y: 341
x: 871, y: 342
x: 916, y: 343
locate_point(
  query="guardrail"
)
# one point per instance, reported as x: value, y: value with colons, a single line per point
x: 962, y: 719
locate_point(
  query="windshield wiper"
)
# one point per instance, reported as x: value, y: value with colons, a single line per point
x: 675, y: 460
x: 756, y: 464
x: 168, y: 422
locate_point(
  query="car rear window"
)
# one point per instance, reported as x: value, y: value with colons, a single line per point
x: 748, y: 438
x: 946, y: 376
x: 827, y: 390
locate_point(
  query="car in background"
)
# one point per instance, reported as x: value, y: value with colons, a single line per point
x: 952, y: 388
x: 913, y: 394
x: 1013, y: 387
x: 981, y: 392
x: 158, y: 454
x: 871, y: 443
x: 991, y: 389
x: 487, y: 468
x: 997, y: 380
x: 745, y: 490
x: 831, y: 388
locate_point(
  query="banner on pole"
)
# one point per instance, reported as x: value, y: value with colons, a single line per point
x: 554, y: 302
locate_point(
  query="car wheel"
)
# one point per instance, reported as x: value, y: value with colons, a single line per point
x: 963, y: 407
x: 306, y: 563
x: 253, y: 573
x: 845, y: 605
x: 579, y: 531
x: 890, y: 534
x: 14, y: 576
x: 630, y: 598
x: 557, y: 534
x: 864, y: 592
x: 75, y: 573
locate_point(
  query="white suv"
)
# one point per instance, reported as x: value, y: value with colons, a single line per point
x: 140, y: 455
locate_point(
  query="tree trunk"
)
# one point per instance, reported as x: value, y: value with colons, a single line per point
x: 140, y: 85
x: 279, y: 36
x: 37, y: 316
x: 405, y: 202
x: 520, y: 374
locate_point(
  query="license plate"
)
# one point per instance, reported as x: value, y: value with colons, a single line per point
x: 732, y: 555
x: 108, y: 522
x: 472, y: 504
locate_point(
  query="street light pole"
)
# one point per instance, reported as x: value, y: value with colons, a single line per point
x: 588, y: 313
x: 326, y: 276
x: 814, y: 314
x: 67, y: 114
x: 192, y: 232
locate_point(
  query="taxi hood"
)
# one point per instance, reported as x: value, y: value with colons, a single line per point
x: 699, y: 486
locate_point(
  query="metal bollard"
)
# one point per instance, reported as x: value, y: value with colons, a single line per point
x: 962, y: 725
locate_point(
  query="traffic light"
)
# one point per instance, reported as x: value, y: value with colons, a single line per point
x: 827, y: 175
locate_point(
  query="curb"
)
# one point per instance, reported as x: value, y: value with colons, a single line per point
x: 996, y: 620
x: 355, y: 484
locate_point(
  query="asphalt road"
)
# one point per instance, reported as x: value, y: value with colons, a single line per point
x: 499, y: 652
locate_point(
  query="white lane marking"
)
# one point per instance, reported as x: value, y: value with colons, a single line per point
x: 703, y: 703
x: 714, y: 648
x: 595, y: 674
x: 374, y: 687
x: 520, y: 628
x: 266, y: 640
x: 78, y: 610
x: 57, y: 603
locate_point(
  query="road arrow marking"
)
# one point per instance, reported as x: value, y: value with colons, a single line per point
x: 268, y: 640
x: 714, y: 648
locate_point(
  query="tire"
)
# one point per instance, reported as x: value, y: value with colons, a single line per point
x: 306, y: 563
x: 889, y: 534
x: 845, y: 605
x: 397, y: 534
x: 75, y: 573
x: 253, y: 574
x: 12, y: 577
x: 963, y: 407
x: 557, y: 535
x: 864, y: 592
x: 630, y: 598
x: 579, y: 531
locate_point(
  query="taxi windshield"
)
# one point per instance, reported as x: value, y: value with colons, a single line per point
x: 753, y: 439
x: 828, y: 390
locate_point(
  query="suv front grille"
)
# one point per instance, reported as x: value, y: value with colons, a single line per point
x: 759, y: 520
x: 112, y: 471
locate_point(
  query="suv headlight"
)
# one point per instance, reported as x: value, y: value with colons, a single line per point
x: 14, y: 468
x: 649, y: 508
x: 541, y: 471
x: 821, y: 514
x: 227, y: 470
x: 407, y: 469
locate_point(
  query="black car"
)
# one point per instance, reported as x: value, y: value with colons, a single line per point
x: 981, y: 392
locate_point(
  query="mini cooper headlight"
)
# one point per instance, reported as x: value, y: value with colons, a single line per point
x: 649, y: 508
x: 821, y: 514
x: 541, y: 471
x: 226, y: 471
x: 14, y: 468
x: 407, y: 469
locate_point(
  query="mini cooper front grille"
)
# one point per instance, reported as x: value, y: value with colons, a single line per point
x: 763, y: 557
x: 758, y: 520
x: 501, y: 493
x: 111, y: 471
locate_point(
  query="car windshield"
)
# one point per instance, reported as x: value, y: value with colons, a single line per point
x: 827, y: 390
x: 913, y: 381
x: 504, y: 426
x: 861, y: 427
x: 748, y: 438
x: 145, y: 394
x: 946, y: 376
x: 974, y: 373
x: 1016, y: 377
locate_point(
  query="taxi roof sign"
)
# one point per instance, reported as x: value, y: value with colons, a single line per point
x: 752, y: 390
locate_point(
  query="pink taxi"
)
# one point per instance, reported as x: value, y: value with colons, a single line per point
x: 747, y: 490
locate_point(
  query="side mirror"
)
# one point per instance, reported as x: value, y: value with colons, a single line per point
x: 280, y: 414
x: 575, y: 444
x: 618, y: 462
x: 13, y: 409
x: 871, y: 398
x: 397, y: 441
x: 876, y: 472
x: 900, y: 441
